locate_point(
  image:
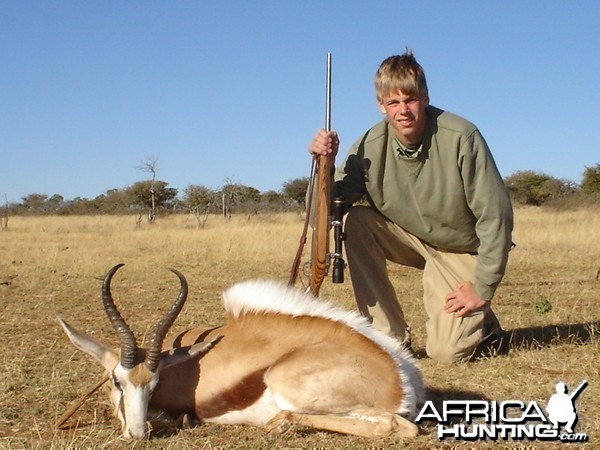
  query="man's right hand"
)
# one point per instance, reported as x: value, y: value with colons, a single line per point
x: 324, y: 143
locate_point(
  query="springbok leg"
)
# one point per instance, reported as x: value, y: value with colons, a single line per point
x: 367, y: 423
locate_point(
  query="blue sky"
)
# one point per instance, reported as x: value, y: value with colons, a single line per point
x: 220, y: 91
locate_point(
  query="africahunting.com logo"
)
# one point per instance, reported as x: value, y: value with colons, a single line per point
x: 472, y: 420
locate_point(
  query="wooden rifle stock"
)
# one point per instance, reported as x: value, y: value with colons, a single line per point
x: 320, y: 238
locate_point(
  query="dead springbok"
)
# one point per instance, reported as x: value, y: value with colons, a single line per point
x: 283, y: 358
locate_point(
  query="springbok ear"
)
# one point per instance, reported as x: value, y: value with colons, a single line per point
x: 179, y: 355
x: 105, y: 356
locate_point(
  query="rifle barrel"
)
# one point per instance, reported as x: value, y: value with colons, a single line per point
x: 578, y: 390
x: 328, y: 95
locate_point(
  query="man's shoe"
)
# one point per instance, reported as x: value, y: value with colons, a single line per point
x: 405, y: 340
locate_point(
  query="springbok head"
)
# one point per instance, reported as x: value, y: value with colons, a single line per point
x: 134, y: 371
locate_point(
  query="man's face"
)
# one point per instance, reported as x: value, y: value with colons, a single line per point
x: 406, y: 114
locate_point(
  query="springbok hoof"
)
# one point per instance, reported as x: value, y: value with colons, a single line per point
x: 280, y: 424
x: 404, y: 428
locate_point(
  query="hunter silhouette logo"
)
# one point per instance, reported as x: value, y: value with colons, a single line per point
x: 561, y: 406
x: 509, y: 419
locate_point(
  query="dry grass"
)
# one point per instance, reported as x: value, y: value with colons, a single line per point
x: 54, y: 264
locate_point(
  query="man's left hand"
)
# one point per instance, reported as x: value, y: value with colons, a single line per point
x: 463, y: 301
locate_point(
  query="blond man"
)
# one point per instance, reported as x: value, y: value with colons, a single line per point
x: 436, y: 202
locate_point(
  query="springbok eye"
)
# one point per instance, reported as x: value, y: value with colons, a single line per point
x: 115, y: 382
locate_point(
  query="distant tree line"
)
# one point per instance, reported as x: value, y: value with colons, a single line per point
x: 149, y: 197
x: 536, y: 188
x: 143, y: 197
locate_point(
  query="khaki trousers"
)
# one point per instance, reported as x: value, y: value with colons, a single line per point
x: 371, y: 240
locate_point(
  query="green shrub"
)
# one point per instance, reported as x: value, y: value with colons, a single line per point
x: 536, y: 188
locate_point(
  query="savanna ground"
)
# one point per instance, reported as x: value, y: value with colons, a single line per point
x: 550, y: 301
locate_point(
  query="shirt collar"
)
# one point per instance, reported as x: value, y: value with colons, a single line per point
x: 409, y: 152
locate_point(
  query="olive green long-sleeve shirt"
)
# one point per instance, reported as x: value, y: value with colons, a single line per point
x: 450, y: 195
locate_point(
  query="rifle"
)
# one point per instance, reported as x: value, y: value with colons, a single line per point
x: 578, y: 390
x: 320, y: 179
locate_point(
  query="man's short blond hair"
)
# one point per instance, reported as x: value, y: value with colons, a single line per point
x: 400, y: 73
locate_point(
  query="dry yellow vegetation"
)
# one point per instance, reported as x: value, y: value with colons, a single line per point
x: 52, y: 265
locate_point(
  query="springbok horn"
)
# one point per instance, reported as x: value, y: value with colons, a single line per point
x: 162, y: 327
x: 128, y: 343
